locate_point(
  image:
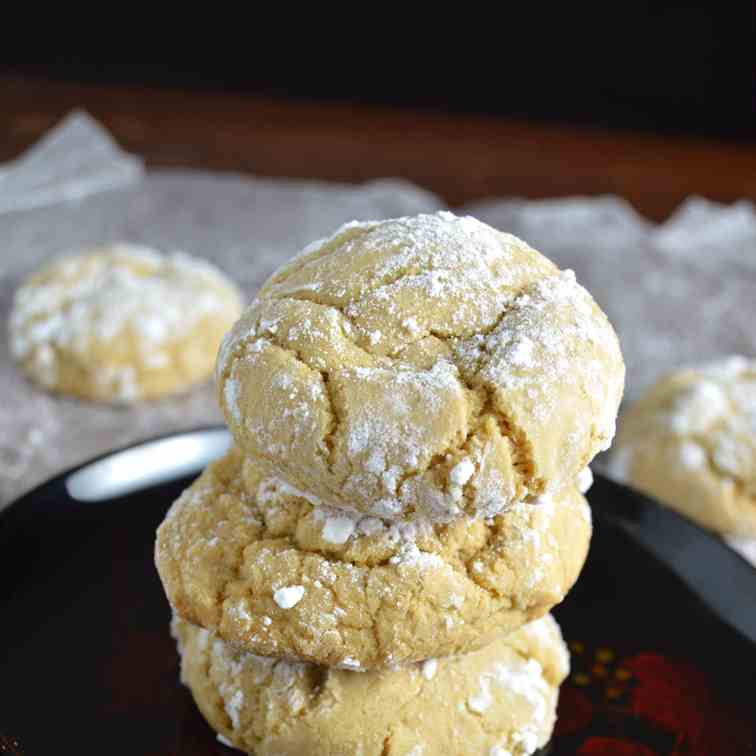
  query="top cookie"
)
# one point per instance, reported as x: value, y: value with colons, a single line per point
x: 122, y: 323
x: 691, y: 442
x: 426, y: 366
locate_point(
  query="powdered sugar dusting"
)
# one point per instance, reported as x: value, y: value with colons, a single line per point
x: 428, y: 668
x: 533, y: 345
x: 462, y: 472
x: 709, y: 412
x: 481, y: 701
x: 546, y: 631
x: 409, y: 555
x: 378, y: 436
x: 539, y: 350
x: 695, y: 408
x: 416, y: 243
x: 233, y: 706
x: 271, y: 488
x: 521, y: 352
x: 350, y: 663
x: 278, y: 676
x: 692, y: 455
x: 231, y: 396
x: 585, y: 480
x: 525, y: 680
x: 412, y: 326
x: 338, y: 529
x: 289, y: 596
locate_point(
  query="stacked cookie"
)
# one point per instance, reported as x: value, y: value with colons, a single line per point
x: 370, y: 568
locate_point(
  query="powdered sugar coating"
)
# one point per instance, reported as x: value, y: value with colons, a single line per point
x: 526, y: 679
x: 461, y: 472
x: 288, y: 596
x: 122, y: 323
x: 338, y: 528
x: 692, y: 455
x: 224, y: 741
x: 585, y: 480
x: 410, y: 347
x: 429, y: 667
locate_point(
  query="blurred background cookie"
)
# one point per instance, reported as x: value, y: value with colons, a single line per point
x: 691, y: 442
x: 243, y: 555
x: 428, y: 366
x: 498, y: 700
x: 122, y: 323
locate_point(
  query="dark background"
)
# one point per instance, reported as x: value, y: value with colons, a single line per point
x: 669, y: 68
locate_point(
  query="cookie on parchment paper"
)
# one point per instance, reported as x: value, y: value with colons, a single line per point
x: 122, y: 323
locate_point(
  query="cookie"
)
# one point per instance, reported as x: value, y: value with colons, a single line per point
x: 691, y: 443
x: 424, y: 367
x: 499, y: 701
x: 122, y: 323
x: 242, y: 554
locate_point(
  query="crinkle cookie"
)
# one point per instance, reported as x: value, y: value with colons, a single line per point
x: 498, y: 701
x: 428, y: 366
x: 691, y: 443
x: 122, y: 323
x: 243, y: 555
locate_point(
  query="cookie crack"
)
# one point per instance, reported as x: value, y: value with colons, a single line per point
x: 235, y: 568
x: 329, y: 437
x: 386, y: 746
x: 512, y: 294
x: 377, y: 282
x: 521, y: 447
x: 326, y: 447
x: 379, y: 652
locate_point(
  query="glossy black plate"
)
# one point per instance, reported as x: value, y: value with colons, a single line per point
x: 87, y: 664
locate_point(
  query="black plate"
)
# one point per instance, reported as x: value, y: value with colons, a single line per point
x: 87, y: 664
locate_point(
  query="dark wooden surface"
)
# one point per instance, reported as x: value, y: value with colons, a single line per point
x: 459, y: 157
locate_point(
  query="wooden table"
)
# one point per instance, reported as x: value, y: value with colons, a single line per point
x: 459, y: 157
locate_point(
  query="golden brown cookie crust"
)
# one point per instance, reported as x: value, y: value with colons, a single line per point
x: 422, y: 367
x: 241, y: 554
x: 122, y: 323
x: 691, y: 442
x: 498, y: 700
